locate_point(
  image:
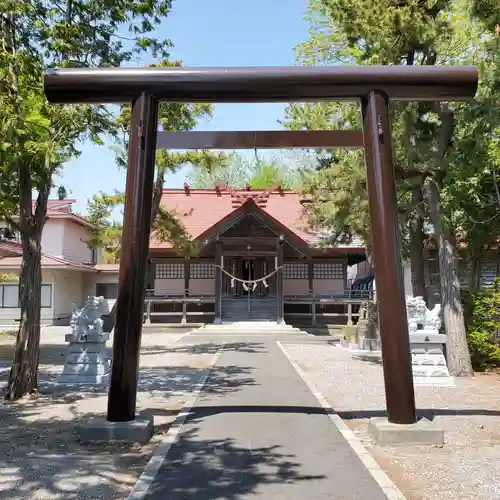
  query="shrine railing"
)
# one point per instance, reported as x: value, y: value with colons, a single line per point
x: 163, y: 304
x: 323, y: 306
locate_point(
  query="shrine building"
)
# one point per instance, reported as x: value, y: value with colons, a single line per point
x: 246, y: 255
x: 254, y: 258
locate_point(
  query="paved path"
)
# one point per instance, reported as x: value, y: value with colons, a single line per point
x: 257, y: 432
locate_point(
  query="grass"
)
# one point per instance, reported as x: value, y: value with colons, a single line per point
x: 8, y: 333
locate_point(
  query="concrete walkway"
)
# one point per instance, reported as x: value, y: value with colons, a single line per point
x: 260, y: 433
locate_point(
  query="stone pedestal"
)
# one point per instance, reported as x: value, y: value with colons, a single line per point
x: 370, y: 344
x: 100, y: 430
x: 427, y: 355
x: 423, y: 432
x: 354, y: 338
x: 426, y: 343
x: 87, y: 360
x: 361, y: 328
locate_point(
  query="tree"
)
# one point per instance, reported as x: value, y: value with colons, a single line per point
x: 412, y: 32
x: 165, y: 224
x: 62, y: 193
x: 37, y: 139
x: 238, y: 172
x: 108, y: 232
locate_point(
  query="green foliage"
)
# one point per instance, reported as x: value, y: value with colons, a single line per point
x: 455, y: 144
x: 36, y: 139
x: 238, y: 172
x: 165, y: 225
x: 107, y: 233
x: 62, y: 193
x: 484, y: 353
x: 484, y: 328
x: 8, y: 333
x: 9, y: 278
x: 39, y: 34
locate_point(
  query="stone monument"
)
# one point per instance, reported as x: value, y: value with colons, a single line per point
x: 371, y: 339
x: 361, y: 336
x: 426, y: 342
x: 87, y: 360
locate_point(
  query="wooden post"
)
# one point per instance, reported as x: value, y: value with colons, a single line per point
x: 148, y: 312
x: 218, y: 282
x: 133, y: 262
x: 184, y: 313
x: 187, y: 273
x: 310, y: 276
x: 381, y: 186
x: 280, y: 313
x: 313, y: 306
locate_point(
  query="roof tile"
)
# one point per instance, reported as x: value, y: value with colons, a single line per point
x: 200, y: 209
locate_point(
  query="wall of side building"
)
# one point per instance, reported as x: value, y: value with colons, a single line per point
x: 62, y: 291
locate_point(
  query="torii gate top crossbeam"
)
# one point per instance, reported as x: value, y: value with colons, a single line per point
x: 260, y: 84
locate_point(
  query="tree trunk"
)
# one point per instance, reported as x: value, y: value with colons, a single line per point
x: 23, y: 377
x: 417, y: 247
x: 474, y: 269
x: 458, y: 356
x: 109, y: 321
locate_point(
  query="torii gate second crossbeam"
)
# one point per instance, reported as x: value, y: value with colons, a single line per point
x: 373, y: 86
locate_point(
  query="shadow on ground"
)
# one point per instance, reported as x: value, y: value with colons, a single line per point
x: 221, y: 468
x: 429, y: 413
x: 40, y: 456
x: 205, y: 348
x: 49, y: 353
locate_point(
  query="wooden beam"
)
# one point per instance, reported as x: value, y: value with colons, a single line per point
x: 260, y: 84
x: 261, y: 139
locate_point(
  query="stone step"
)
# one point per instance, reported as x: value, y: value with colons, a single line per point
x: 252, y: 327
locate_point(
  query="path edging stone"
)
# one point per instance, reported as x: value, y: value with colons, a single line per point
x: 391, y: 491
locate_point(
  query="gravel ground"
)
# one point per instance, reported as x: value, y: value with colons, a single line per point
x: 467, y: 467
x: 40, y: 457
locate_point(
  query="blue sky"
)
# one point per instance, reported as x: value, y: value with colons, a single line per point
x: 208, y: 33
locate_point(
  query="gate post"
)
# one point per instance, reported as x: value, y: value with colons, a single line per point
x: 396, y: 357
x: 280, y: 316
x: 133, y: 261
x: 218, y: 283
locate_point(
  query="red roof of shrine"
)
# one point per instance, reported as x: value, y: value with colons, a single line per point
x: 200, y: 209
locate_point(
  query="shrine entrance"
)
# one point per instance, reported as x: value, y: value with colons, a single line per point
x: 372, y: 86
x: 249, y: 289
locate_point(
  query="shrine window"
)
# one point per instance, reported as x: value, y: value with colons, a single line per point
x: 329, y: 271
x: 295, y: 271
x: 169, y: 270
x: 202, y: 271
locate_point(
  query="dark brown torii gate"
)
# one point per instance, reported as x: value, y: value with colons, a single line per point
x: 373, y: 86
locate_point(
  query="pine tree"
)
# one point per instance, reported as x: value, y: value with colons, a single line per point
x: 404, y: 33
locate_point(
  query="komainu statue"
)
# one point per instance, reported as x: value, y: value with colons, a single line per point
x: 87, y: 360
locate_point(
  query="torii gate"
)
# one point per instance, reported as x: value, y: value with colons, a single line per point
x: 373, y: 86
